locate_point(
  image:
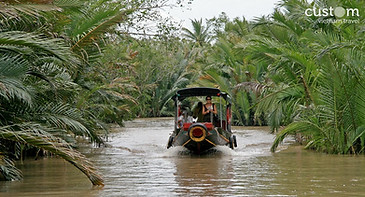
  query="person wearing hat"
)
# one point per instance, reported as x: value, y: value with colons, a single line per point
x: 209, y: 108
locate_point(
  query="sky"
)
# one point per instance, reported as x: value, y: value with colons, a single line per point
x: 207, y: 9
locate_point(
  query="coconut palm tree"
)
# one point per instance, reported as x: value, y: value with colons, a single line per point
x: 199, y: 35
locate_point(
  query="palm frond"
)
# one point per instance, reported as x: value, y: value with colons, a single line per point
x: 12, y: 71
x: 55, y: 146
x: 304, y: 127
x: 63, y: 116
x: 36, y: 46
x: 99, y: 27
x: 68, y: 3
x: 8, y: 171
x: 200, y: 35
x: 251, y: 86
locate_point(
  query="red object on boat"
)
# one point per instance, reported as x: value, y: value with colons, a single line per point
x: 209, y: 125
x: 229, y: 115
x: 186, y: 126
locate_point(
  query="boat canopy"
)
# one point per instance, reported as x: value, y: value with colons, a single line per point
x: 201, y: 91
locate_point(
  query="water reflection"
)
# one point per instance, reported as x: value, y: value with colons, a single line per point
x: 48, y: 177
x: 303, y: 172
x: 207, y: 175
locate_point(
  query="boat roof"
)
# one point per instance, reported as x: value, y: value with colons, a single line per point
x: 199, y: 91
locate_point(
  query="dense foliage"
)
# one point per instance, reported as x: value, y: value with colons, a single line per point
x: 297, y: 71
x: 285, y: 69
x: 54, y: 85
x: 69, y: 67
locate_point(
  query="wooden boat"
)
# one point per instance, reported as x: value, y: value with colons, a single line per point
x: 196, y: 136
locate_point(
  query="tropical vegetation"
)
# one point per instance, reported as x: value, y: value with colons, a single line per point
x: 69, y: 68
x: 55, y: 85
x: 296, y: 71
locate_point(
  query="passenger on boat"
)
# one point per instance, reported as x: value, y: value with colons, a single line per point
x: 209, y: 108
x: 198, y: 112
x: 190, y: 118
x: 180, y: 120
x: 182, y: 115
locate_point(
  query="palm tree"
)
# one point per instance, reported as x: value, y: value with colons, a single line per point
x: 229, y: 69
x: 199, y: 35
x: 292, y: 74
x: 24, y: 121
x: 30, y: 115
x: 316, y: 81
x: 157, y: 72
x: 336, y: 124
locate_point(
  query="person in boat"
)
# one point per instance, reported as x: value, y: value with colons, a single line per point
x: 182, y: 118
x: 190, y: 118
x: 209, y: 108
x: 198, y: 112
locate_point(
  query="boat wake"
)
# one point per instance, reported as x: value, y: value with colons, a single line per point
x: 213, y: 152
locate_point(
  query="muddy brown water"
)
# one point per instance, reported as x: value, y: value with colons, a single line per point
x: 136, y: 163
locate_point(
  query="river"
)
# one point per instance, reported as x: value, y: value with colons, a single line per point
x: 135, y: 162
